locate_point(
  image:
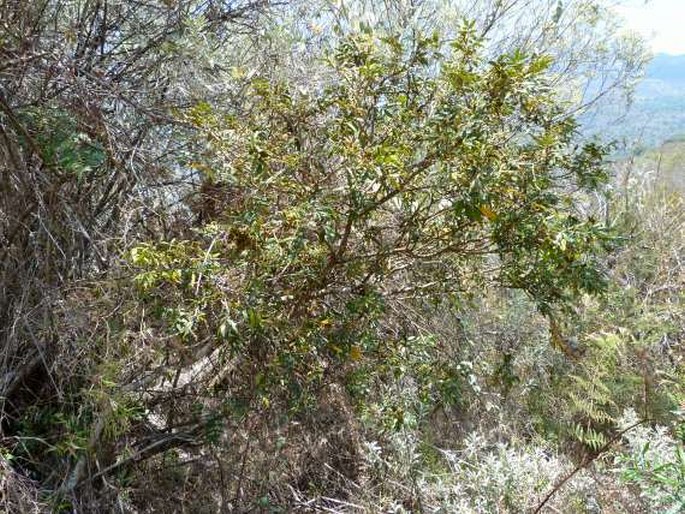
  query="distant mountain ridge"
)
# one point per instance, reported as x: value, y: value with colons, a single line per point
x: 665, y: 76
x: 657, y: 113
x: 668, y: 68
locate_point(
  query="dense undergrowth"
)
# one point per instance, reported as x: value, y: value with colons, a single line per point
x: 346, y: 266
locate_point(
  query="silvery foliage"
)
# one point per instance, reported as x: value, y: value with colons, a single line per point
x: 655, y: 462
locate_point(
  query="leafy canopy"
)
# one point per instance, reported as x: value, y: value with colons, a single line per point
x: 417, y: 170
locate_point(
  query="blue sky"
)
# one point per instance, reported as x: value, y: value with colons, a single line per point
x: 662, y: 22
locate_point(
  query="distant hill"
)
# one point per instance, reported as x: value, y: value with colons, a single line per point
x: 664, y: 79
x: 667, y: 68
x: 653, y: 128
x: 657, y: 113
x: 666, y: 162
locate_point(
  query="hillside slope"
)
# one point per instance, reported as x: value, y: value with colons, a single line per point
x: 657, y: 112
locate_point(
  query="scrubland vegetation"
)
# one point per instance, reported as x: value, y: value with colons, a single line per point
x: 333, y: 257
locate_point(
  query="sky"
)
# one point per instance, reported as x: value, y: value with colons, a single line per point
x: 662, y: 22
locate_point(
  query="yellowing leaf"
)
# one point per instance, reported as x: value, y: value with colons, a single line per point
x: 488, y: 212
x: 355, y: 353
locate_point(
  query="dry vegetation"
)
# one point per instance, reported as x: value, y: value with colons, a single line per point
x: 265, y: 257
